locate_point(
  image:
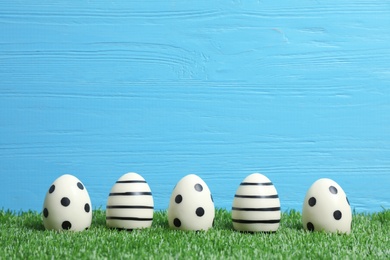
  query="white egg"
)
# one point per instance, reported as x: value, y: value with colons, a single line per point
x: 130, y: 203
x: 67, y: 205
x: 191, y: 206
x: 256, y: 205
x: 326, y: 207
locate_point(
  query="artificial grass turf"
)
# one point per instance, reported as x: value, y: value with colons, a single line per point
x: 24, y: 237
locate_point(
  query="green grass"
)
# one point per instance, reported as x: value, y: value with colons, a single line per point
x: 23, y: 237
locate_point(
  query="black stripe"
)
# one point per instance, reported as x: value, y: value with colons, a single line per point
x: 129, y: 193
x: 128, y: 207
x: 257, y: 209
x: 244, y: 221
x: 256, y: 183
x: 257, y: 196
x: 131, y: 181
x: 130, y: 218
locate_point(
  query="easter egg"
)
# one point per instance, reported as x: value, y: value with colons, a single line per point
x: 256, y: 205
x: 326, y: 208
x: 67, y: 205
x: 130, y: 203
x: 191, y: 205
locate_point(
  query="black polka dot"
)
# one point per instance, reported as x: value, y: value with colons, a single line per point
x: 211, y: 195
x: 178, y: 199
x: 310, y: 226
x: 198, y: 187
x: 87, y: 208
x: 333, y: 189
x: 45, y: 212
x: 80, y: 185
x: 65, y: 201
x: 312, y: 201
x: 337, y: 215
x: 52, y: 188
x: 177, y: 222
x: 66, y: 225
x: 199, y: 211
x: 347, y: 200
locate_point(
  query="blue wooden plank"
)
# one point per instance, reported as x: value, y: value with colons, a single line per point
x: 296, y: 91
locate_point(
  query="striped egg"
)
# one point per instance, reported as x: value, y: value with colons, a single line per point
x: 130, y: 203
x: 256, y: 205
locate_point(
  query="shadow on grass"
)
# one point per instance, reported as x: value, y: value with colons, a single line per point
x: 383, y: 217
x: 222, y: 220
x: 291, y: 219
x: 98, y: 218
x: 32, y: 220
x: 160, y: 219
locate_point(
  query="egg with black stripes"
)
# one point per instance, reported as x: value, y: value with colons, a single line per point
x: 130, y: 203
x: 256, y: 205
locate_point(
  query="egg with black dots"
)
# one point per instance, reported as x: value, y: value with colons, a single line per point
x: 67, y: 205
x: 191, y: 206
x: 256, y: 205
x: 326, y: 208
x: 130, y: 203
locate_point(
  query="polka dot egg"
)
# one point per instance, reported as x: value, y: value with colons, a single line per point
x: 67, y: 205
x: 130, y: 203
x: 191, y: 206
x: 256, y: 205
x: 326, y: 207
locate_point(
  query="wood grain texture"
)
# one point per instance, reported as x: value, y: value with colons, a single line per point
x: 296, y: 91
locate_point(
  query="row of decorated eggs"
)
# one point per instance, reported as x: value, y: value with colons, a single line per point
x: 256, y: 205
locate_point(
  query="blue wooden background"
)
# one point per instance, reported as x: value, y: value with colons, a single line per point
x: 296, y: 90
